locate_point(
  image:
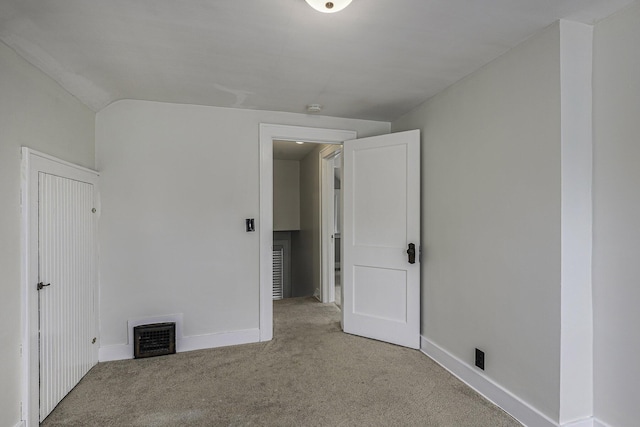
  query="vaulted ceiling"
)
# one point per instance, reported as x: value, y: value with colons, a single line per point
x: 377, y: 59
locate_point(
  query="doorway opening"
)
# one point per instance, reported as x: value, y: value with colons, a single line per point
x: 268, y: 134
x: 331, y: 220
x: 295, y: 206
x: 306, y: 219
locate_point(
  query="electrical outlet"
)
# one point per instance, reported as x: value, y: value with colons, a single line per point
x: 480, y: 359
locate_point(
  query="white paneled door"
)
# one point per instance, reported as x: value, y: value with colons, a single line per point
x: 381, y: 238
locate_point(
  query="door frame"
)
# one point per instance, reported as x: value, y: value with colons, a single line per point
x: 327, y: 223
x: 34, y: 162
x: 269, y: 132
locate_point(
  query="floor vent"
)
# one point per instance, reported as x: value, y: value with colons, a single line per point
x: 155, y: 339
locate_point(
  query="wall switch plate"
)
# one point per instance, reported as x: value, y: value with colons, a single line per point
x: 250, y: 225
x: 480, y: 359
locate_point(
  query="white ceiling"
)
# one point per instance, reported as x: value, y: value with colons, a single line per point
x: 289, y: 150
x: 375, y: 60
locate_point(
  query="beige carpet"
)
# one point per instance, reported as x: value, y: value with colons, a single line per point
x: 311, y: 374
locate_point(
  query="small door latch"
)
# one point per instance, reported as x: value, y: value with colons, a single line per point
x: 42, y: 285
x: 412, y: 253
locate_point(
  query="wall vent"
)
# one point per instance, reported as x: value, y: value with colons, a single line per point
x: 278, y: 272
x: 155, y: 339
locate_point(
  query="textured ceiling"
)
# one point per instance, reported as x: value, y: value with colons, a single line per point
x: 375, y: 60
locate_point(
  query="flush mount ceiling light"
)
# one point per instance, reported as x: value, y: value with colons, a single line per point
x: 299, y: 142
x: 325, y: 6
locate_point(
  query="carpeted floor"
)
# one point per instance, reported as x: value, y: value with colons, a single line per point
x: 310, y: 374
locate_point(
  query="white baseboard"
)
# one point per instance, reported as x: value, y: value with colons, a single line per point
x: 588, y: 422
x: 115, y: 352
x: 199, y: 342
x: 510, y: 403
x: 188, y: 343
x: 513, y: 405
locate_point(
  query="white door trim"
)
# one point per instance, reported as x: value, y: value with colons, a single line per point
x: 34, y: 162
x: 269, y: 132
x: 327, y: 227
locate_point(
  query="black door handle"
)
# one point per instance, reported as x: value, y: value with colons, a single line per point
x: 42, y: 285
x: 412, y: 253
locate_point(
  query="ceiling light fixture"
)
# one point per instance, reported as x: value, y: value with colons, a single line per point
x: 325, y: 6
x: 299, y: 142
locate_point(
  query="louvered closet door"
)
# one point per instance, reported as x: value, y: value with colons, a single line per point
x: 67, y: 303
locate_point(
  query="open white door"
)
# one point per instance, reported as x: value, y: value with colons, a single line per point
x: 381, y: 190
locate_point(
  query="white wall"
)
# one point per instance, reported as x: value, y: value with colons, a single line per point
x: 307, y: 269
x: 616, y: 254
x: 576, y: 324
x: 177, y: 182
x: 491, y: 194
x: 286, y: 195
x: 37, y: 113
